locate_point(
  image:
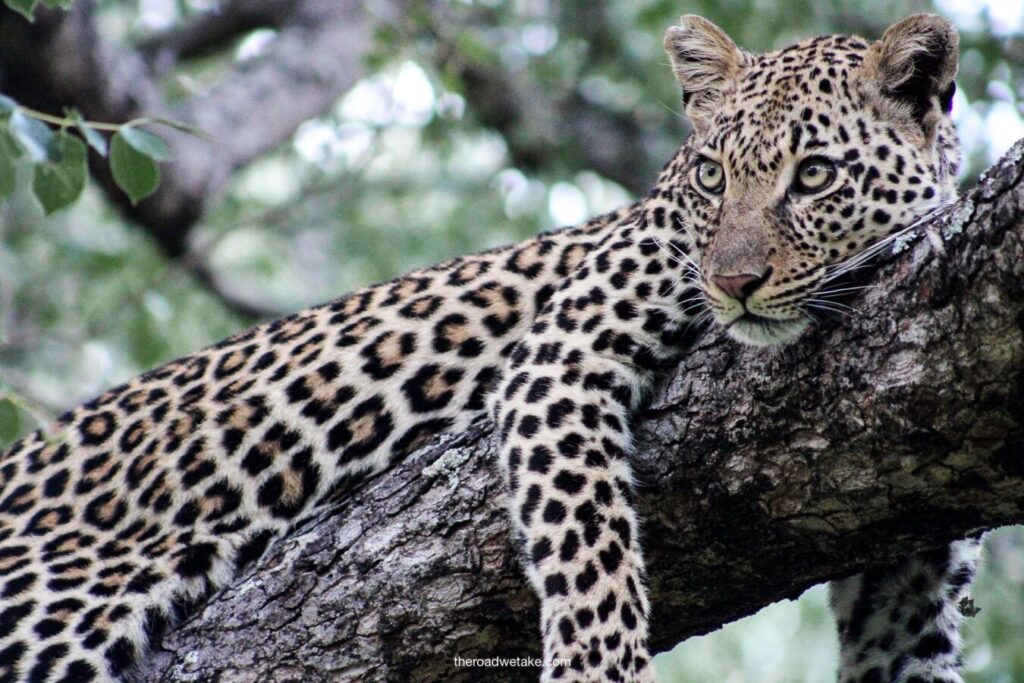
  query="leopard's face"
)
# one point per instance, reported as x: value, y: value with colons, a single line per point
x: 803, y: 161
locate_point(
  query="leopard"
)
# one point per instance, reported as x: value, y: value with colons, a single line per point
x: 136, y: 506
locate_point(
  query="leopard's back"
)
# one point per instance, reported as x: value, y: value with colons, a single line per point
x: 144, y: 500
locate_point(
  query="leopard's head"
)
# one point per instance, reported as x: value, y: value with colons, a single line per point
x: 804, y: 159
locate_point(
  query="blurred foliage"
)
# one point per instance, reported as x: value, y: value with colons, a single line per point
x: 407, y: 170
x: 787, y: 642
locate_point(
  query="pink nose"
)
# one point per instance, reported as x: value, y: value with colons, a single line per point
x: 739, y: 286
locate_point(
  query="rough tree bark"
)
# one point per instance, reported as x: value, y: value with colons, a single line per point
x: 892, y: 430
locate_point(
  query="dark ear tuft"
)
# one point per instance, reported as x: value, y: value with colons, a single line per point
x: 916, y: 62
x: 706, y: 63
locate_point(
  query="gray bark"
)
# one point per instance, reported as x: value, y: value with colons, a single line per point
x: 892, y: 430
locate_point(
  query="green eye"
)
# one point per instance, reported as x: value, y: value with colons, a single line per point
x: 814, y: 175
x: 711, y: 176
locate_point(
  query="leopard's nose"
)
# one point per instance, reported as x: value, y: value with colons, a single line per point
x: 741, y: 286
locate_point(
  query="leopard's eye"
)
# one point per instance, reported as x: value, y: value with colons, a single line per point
x: 814, y: 175
x: 711, y: 176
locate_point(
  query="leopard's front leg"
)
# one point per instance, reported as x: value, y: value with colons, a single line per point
x: 563, y: 420
x: 564, y: 438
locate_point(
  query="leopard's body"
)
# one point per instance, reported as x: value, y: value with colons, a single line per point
x: 153, y: 495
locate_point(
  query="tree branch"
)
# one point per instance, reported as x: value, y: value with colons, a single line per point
x: 760, y: 473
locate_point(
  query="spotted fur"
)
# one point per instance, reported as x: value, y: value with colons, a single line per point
x: 148, y: 498
x: 903, y: 624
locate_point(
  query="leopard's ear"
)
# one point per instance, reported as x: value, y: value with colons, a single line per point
x: 915, y: 63
x: 706, y: 62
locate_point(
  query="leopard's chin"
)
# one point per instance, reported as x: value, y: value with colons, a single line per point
x: 756, y: 330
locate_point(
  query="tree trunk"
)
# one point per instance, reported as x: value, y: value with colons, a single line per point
x: 892, y: 430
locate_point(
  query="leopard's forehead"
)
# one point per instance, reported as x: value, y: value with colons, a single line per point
x: 813, y: 68
x: 806, y: 86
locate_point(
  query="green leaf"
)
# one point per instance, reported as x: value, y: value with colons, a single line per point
x: 35, y: 137
x: 134, y: 172
x: 151, y: 145
x: 9, y: 154
x: 58, y: 184
x: 58, y: 4
x: 91, y: 135
x: 10, y: 421
x: 7, y: 105
x: 23, y: 7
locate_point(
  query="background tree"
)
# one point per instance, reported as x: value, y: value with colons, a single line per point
x: 352, y: 141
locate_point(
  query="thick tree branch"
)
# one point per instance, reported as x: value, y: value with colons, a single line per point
x: 760, y: 473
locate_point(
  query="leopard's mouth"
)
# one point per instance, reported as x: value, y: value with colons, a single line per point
x: 757, y: 330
